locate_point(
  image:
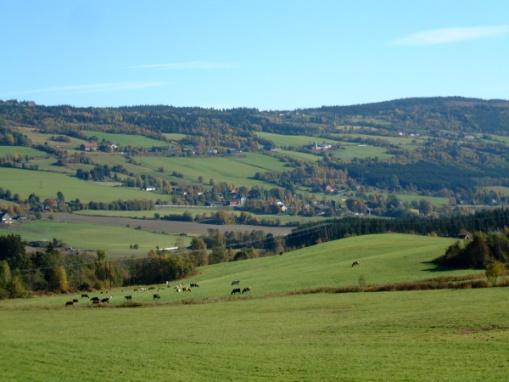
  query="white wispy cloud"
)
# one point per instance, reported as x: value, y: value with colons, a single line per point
x: 452, y: 35
x: 103, y: 87
x: 187, y: 65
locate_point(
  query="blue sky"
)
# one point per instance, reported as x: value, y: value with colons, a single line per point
x: 265, y: 54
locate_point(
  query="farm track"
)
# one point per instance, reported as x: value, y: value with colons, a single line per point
x: 165, y: 226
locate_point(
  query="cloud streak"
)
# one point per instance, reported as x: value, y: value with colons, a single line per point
x: 104, y: 87
x: 452, y: 35
x: 187, y: 65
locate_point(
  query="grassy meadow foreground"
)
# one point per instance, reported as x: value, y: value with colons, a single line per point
x: 385, y: 258
x: 441, y: 335
x: 448, y: 335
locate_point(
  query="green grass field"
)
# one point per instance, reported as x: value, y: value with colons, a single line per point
x: 443, y: 335
x: 134, y: 140
x: 114, y: 240
x: 282, y: 140
x: 149, y: 214
x: 384, y: 258
x: 47, y: 184
x: 355, y: 150
x: 307, y: 157
x: 174, y: 136
x: 21, y: 151
x: 394, y: 336
x: 237, y: 170
x: 37, y: 137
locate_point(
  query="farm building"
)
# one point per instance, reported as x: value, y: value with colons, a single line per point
x: 5, y: 218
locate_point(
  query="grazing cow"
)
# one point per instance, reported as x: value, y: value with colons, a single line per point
x: 186, y: 289
x: 235, y: 282
x: 69, y: 303
x: 235, y: 291
x: 156, y: 296
x: 106, y: 299
x: 95, y: 300
x: 128, y: 297
x: 355, y: 264
x: 84, y: 295
x: 194, y: 285
x: 74, y: 300
x: 245, y: 290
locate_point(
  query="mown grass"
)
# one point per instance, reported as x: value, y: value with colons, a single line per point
x: 283, y: 140
x: 134, y: 140
x: 196, y: 211
x: 385, y: 258
x: 397, y: 336
x: 174, y: 136
x: 47, y: 184
x: 238, y: 170
x: 21, y: 151
x: 350, y: 151
x: 307, y: 157
x: 114, y: 240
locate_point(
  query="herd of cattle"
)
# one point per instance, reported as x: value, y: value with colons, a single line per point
x: 155, y: 296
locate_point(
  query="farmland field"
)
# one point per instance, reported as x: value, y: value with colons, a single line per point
x: 384, y: 258
x: 21, y: 151
x: 114, y: 240
x: 126, y: 139
x: 237, y: 170
x: 307, y: 157
x: 360, y: 151
x: 370, y: 336
x: 282, y: 140
x: 149, y: 214
x: 47, y: 184
x: 174, y: 136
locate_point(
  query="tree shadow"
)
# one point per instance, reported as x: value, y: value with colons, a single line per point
x: 434, y: 267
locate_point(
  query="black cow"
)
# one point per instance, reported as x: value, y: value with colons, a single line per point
x: 69, y: 303
x: 74, y: 300
x: 235, y: 282
x: 235, y: 291
x: 355, y: 264
x: 128, y: 297
x: 245, y: 290
x: 84, y: 295
x: 156, y: 296
x: 95, y: 300
x: 194, y: 285
x: 106, y: 300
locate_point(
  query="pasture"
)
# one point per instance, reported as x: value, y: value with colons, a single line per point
x: 164, y: 226
x: 21, y: 151
x: 47, y: 184
x: 306, y: 157
x: 134, y: 140
x: 443, y: 335
x: 114, y: 240
x: 268, y: 335
x: 283, y: 140
x: 350, y: 151
x: 196, y: 211
x: 383, y: 258
x: 238, y: 170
